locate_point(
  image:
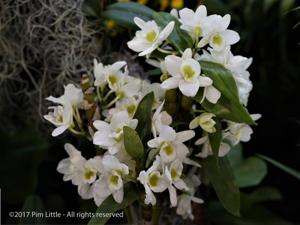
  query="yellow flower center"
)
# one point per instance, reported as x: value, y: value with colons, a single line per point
x: 217, y: 39
x: 173, y: 174
x: 59, y: 119
x: 188, y: 72
x: 114, y: 179
x: 112, y: 79
x: 131, y: 109
x: 120, y: 94
x: 151, y: 36
x: 153, y: 179
x: 168, y: 149
x: 88, y: 174
x: 119, y: 134
x: 198, y: 31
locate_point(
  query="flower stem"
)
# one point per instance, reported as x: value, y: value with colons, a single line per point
x: 165, y: 51
x: 128, y: 215
x: 156, y: 212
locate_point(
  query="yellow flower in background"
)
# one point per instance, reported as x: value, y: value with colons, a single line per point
x: 143, y: 2
x: 164, y: 4
x: 110, y: 24
x: 177, y: 4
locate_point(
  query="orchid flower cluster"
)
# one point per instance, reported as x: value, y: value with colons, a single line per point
x: 112, y: 101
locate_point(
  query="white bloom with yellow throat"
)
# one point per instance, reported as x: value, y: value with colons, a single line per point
x: 62, y: 115
x: 185, y: 74
x: 173, y: 176
x: 110, y: 181
x: 112, y: 75
x: 80, y: 171
x: 110, y: 135
x: 205, y: 121
x: 153, y: 181
x: 217, y: 35
x: 149, y: 37
x: 194, y: 23
x: 170, y: 143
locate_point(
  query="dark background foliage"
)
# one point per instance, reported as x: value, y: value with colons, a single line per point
x: 269, y: 34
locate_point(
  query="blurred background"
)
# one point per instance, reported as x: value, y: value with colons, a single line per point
x: 46, y: 44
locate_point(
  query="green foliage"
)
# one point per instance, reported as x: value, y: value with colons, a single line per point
x: 110, y: 206
x: 133, y: 143
x: 144, y: 115
x: 124, y: 12
x: 228, y: 106
x: 33, y: 204
x: 220, y: 174
x: 180, y: 39
x: 279, y: 165
x: 24, y: 151
x: 215, y: 139
x: 251, y: 212
x: 247, y: 172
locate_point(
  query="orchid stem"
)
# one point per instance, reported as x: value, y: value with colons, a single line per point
x: 165, y: 51
x: 156, y: 212
x: 128, y: 215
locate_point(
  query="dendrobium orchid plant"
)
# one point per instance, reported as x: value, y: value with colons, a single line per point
x: 155, y: 134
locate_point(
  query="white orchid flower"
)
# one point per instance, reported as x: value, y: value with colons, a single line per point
x: 110, y: 136
x: 129, y: 88
x: 184, y: 207
x: 149, y: 37
x: 109, y: 74
x: 127, y: 104
x: 110, y: 181
x: 72, y: 95
x: 153, y: 181
x: 238, y: 65
x: 217, y: 35
x: 237, y: 132
x: 158, y: 91
x: 80, y: 171
x: 61, y: 117
x: 194, y: 22
x: 205, y: 121
x: 170, y: 143
x: 71, y: 167
x: 207, y: 150
x: 160, y: 118
x: 185, y: 74
x: 173, y: 175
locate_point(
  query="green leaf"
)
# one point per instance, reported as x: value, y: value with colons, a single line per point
x: 111, y: 206
x: 235, y: 156
x: 247, y: 172
x: 179, y: 38
x: 124, y: 12
x: 228, y: 106
x: 264, y: 194
x: 251, y: 172
x: 215, y: 139
x: 33, y: 204
x: 133, y: 143
x: 220, y: 174
x: 222, y: 79
x: 144, y: 115
x: 279, y: 165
